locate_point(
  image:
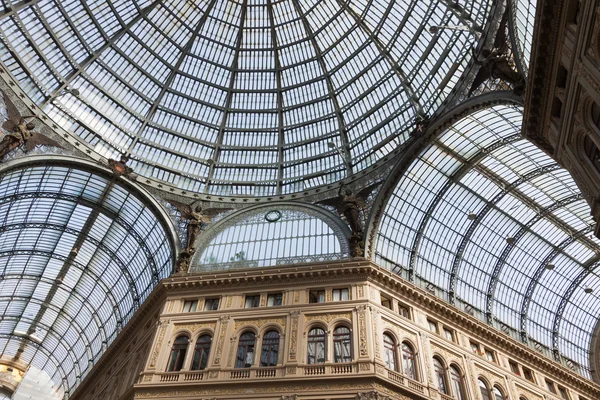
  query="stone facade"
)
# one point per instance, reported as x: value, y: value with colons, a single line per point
x: 379, y: 302
x: 564, y: 91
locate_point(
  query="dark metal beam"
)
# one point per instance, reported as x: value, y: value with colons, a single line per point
x: 234, y: 70
x: 96, y: 54
x: 172, y: 74
x: 537, y: 276
x: 456, y: 177
x: 588, y: 269
x: 510, y: 246
x: 347, y: 156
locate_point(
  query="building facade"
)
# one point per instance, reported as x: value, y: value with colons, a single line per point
x: 341, y: 330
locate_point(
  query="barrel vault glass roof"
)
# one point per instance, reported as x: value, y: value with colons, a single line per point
x: 78, y: 254
x: 240, y: 97
x: 486, y: 220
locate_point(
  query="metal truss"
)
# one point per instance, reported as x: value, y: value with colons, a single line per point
x: 511, y: 188
x: 112, y: 215
x: 588, y: 269
x: 542, y: 214
x: 454, y: 179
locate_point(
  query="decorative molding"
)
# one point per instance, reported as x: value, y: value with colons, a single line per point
x: 161, y: 336
x: 362, y: 332
x: 327, y: 318
x: 295, y: 315
x: 260, y: 322
x: 195, y: 326
x: 222, y: 332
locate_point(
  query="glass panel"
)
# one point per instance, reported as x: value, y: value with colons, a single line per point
x: 408, y: 361
x: 201, y: 353
x: 245, y: 351
x: 316, y: 346
x: 178, y: 352
x: 342, y: 345
x: 390, y: 352
x: 270, y: 349
x: 483, y: 390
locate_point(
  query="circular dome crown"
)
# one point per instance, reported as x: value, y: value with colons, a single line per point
x: 249, y: 97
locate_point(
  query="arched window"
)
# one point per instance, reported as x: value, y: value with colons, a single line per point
x: 245, y: 351
x: 316, y: 346
x: 592, y: 151
x: 440, y: 375
x: 342, y: 345
x: 483, y: 389
x: 201, y: 352
x: 270, y: 349
x: 497, y: 393
x: 389, y: 346
x: 456, y: 382
x: 178, y: 351
x: 409, y: 367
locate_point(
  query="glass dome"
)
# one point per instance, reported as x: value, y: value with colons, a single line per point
x: 249, y: 97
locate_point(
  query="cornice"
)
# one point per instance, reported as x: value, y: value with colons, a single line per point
x: 544, y: 53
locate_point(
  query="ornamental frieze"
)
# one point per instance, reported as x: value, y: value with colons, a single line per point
x: 196, y: 326
x: 259, y: 323
x: 327, y: 318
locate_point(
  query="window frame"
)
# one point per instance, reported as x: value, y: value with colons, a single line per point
x: 178, y: 353
x: 274, y: 344
x: 187, y: 306
x: 255, y: 298
x: 341, y: 338
x: 320, y: 296
x: 311, y: 341
x: 412, y: 355
x: 390, y: 348
x: 274, y: 296
x: 439, y: 369
x: 340, y: 292
x: 212, y: 300
x: 248, y: 346
x: 201, y: 348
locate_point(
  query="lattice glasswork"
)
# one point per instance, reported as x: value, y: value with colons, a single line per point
x: 485, y: 219
x: 78, y: 254
x: 252, y: 241
x: 523, y: 12
x: 248, y: 97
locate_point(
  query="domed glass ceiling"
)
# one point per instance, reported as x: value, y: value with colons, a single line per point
x: 79, y: 253
x: 249, y: 97
x: 487, y: 221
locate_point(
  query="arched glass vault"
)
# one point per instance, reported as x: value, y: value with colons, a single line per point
x: 487, y: 221
x: 240, y: 97
x: 79, y: 251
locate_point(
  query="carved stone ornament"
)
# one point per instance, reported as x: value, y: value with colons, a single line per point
x: 156, y: 351
x: 223, y: 330
x: 362, y: 332
x: 196, y: 326
x: 294, y: 334
x: 327, y: 318
x: 373, y: 395
x: 259, y: 323
x: 289, y: 397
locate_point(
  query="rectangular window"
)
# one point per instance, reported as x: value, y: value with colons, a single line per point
x: 190, y: 305
x: 490, y: 355
x: 274, y: 299
x: 563, y: 393
x: 514, y: 367
x: 404, y: 310
x: 385, y: 302
x: 528, y: 374
x: 316, y: 296
x: 211, y: 304
x: 475, y: 348
x: 432, y: 326
x: 550, y: 386
x: 252, y: 301
x: 448, y: 334
x: 340, y: 294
